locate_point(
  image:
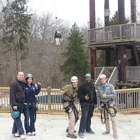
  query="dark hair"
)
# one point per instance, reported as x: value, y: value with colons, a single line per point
x: 26, y: 83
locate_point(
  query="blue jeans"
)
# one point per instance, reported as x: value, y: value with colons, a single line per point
x: 17, y: 125
x: 87, y: 113
x: 29, y: 119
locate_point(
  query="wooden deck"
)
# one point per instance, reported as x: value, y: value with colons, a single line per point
x: 126, y: 34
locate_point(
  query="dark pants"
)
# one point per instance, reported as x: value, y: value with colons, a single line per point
x: 17, y: 125
x: 29, y: 119
x: 87, y: 113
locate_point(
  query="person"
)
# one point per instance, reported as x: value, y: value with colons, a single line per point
x: 30, y: 104
x: 57, y: 37
x: 69, y: 97
x: 17, y: 97
x: 105, y: 99
x: 88, y: 101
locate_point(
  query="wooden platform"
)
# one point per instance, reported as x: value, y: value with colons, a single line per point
x: 111, y: 36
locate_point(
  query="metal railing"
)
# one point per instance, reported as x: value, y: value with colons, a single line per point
x: 116, y: 33
x: 113, y: 77
x: 97, y: 82
x: 133, y: 73
x: 50, y: 101
x: 110, y: 72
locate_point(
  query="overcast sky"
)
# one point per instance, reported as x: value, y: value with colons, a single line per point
x: 75, y: 10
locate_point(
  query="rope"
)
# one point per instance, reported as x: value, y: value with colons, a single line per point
x: 107, y: 107
x: 56, y: 15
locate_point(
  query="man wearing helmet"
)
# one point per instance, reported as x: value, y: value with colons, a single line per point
x: 17, y: 97
x: 69, y: 97
x: 105, y: 99
x: 88, y: 101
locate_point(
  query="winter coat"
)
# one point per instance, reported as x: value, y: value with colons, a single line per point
x: 17, y: 92
x: 69, y: 93
x: 108, y: 89
x: 87, y: 89
x: 57, y: 35
x: 30, y: 92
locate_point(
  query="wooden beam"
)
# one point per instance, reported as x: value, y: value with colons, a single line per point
x: 92, y: 13
x: 136, y: 55
x: 121, y: 11
x: 133, y: 11
x: 106, y: 18
x: 133, y: 58
x: 92, y: 25
x: 121, y: 62
x: 93, y: 62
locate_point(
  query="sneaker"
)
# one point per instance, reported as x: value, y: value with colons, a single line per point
x: 91, y: 132
x: 81, y: 135
x: 67, y: 130
x: 29, y: 133
x: 115, y: 136
x: 16, y: 134
x: 72, y: 136
x: 22, y: 136
x: 33, y: 134
x: 105, y: 133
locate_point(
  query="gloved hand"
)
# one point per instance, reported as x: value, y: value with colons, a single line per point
x: 100, y: 108
x: 103, y: 95
x: 75, y: 96
x: 66, y: 90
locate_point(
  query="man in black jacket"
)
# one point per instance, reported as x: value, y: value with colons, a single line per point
x: 17, y: 97
x: 88, y: 101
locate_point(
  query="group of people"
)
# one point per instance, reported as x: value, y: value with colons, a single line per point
x: 23, y: 100
x: 89, y: 101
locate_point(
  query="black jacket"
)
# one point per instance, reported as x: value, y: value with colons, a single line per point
x: 57, y: 35
x: 89, y: 89
x: 17, y: 92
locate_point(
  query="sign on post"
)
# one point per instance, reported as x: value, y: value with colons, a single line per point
x: 107, y: 12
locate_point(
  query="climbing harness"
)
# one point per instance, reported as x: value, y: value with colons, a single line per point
x: 106, y: 106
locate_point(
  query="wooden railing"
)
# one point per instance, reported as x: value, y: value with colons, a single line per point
x: 116, y: 33
x: 50, y: 101
x: 133, y: 74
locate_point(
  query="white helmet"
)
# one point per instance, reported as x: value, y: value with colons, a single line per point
x: 74, y: 79
x: 102, y: 76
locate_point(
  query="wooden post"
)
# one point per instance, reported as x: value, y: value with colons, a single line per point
x: 107, y: 57
x: 121, y: 11
x: 133, y: 11
x: 92, y: 25
x: 133, y: 56
x: 121, y: 62
x: 106, y: 20
x: 92, y: 13
x: 121, y: 49
x: 93, y: 62
x: 49, y: 100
